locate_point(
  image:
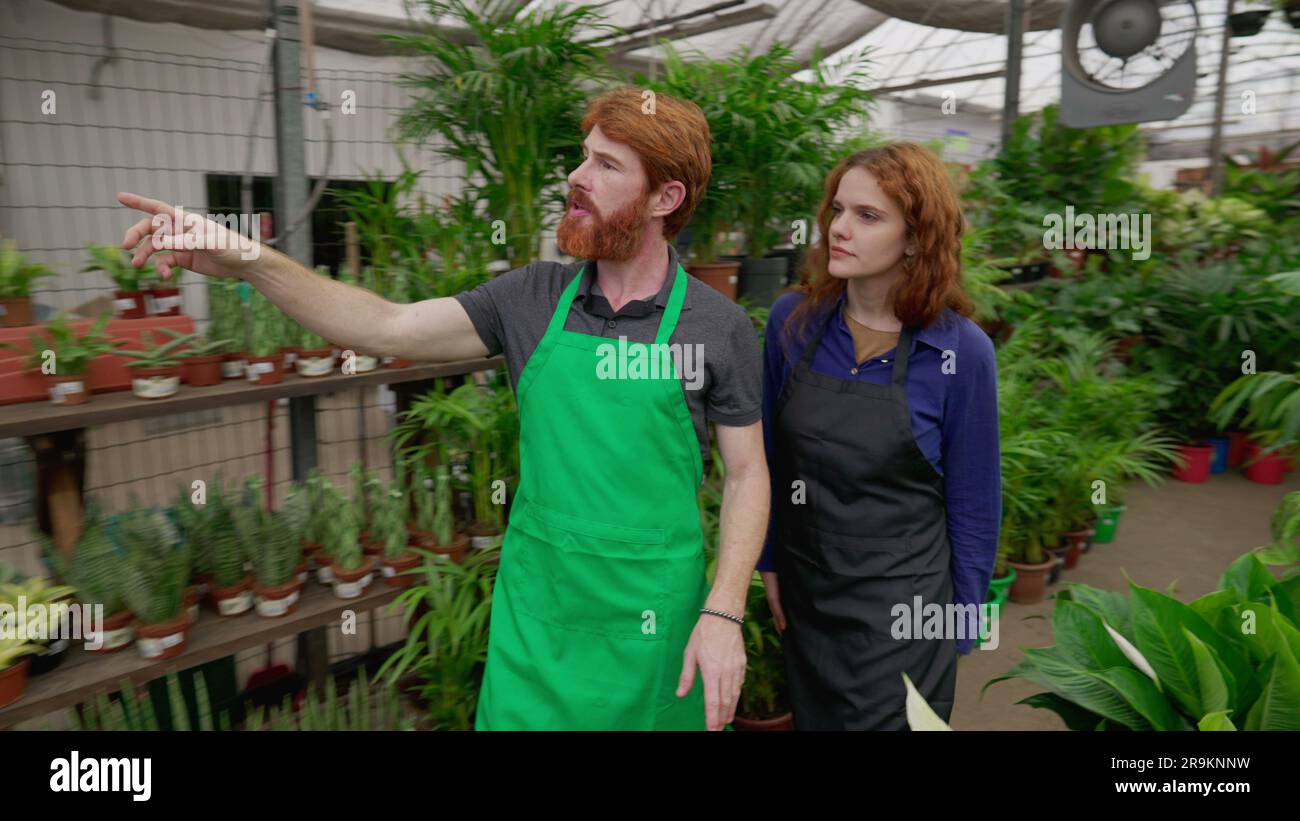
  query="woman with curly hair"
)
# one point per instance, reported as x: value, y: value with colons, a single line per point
x: 881, y: 425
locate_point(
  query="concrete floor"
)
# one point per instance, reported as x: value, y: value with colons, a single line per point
x: 1182, y: 533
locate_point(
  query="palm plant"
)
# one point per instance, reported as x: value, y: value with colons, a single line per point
x: 505, y: 102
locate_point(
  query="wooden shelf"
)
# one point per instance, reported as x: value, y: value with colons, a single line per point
x: 31, y: 418
x: 83, y: 674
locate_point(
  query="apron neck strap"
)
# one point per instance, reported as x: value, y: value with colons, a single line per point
x: 667, y: 324
x: 899, y: 376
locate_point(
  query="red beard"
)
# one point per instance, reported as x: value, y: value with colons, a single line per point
x: 617, y: 238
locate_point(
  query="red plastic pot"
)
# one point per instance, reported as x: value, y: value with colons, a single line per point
x: 129, y: 304
x: 200, y: 371
x: 1194, y: 464
x: 1269, y: 469
x: 266, y: 370
x: 166, y: 301
x: 1237, y: 442
x: 13, y: 681
x: 1076, y: 540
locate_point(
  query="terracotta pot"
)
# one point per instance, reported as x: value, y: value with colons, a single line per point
x: 370, y: 546
x: 302, y: 572
x: 780, y: 723
x: 234, y: 600
x: 482, y: 537
x: 313, y: 362
x: 1031, y: 581
x: 129, y: 304
x: 13, y: 681
x: 274, y: 602
x: 193, y: 595
x: 456, y: 551
x: 348, y: 584
x: 290, y: 354
x: 392, y: 569
x: 163, y: 641
x: 265, y: 370
x: 1077, y: 541
x: 201, y: 371
x: 119, y: 631
x: 155, y: 383
x: 722, y: 276
x: 16, y: 311
x: 68, y: 389
x: 233, y: 365
x: 165, y: 301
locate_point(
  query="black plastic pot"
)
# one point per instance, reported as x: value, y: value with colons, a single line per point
x: 1247, y: 23
x: 1023, y: 272
x: 762, y: 279
x: 50, y: 659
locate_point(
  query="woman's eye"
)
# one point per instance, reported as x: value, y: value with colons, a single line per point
x: 606, y: 165
x: 867, y: 216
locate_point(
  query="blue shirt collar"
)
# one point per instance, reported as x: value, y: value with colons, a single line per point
x: 941, y: 334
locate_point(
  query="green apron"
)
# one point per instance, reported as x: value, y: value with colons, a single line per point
x: 602, y: 568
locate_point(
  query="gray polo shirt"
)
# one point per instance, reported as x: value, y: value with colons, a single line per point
x: 512, y: 311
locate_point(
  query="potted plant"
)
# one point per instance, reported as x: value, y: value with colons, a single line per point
x: 274, y: 550
x: 231, y: 583
x: 200, y: 359
x: 265, y: 360
x: 128, y: 299
x: 390, y: 529
x: 447, y: 612
x: 764, y: 703
x: 350, y: 569
x: 163, y: 296
x: 44, y: 624
x: 290, y: 334
x: 434, y: 526
x: 94, y: 570
x: 66, y: 369
x: 315, y: 355
x: 16, y: 277
x: 226, y: 322
x: 155, y: 579
x: 157, y: 367
x: 14, y: 668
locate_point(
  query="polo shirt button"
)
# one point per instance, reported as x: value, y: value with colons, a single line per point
x: 854, y: 371
x: 612, y: 323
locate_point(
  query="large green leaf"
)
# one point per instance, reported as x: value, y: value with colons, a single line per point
x: 1081, y: 635
x: 1216, y: 721
x: 1111, y: 606
x: 1157, y: 625
x: 1278, y: 707
x: 1215, y: 692
x: 1052, y: 669
x: 1074, y: 716
x: 1144, y: 696
x: 1248, y: 577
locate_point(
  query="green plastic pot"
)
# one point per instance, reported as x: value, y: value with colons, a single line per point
x: 1002, y: 585
x: 1107, y: 521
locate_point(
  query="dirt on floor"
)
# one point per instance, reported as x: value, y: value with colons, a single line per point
x: 1181, y: 534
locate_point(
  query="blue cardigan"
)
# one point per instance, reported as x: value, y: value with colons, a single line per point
x: 954, y: 420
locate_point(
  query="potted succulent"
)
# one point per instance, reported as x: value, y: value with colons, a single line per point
x: 315, y: 355
x: 274, y: 550
x: 350, y: 569
x: 434, y: 526
x: 94, y: 570
x: 66, y: 369
x: 155, y: 578
x: 16, y: 277
x: 45, y: 606
x: 200, y: 359
x: 128, y: 299
x: 226, y: 322
x: 265, y: 361
x: 157, y: 372
x: 390, y: 528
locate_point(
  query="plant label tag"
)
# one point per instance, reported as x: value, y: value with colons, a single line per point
x: 152, y: 648
x: 3, y: 310
x: 272, y: 607
x: 58, y: 646
x: 123, y: 305
x: 324, y: 575
x: 389, y: 571
x: 348, y: 590
x: 61, y: 389
x: 166, y: 303
x: 232, y: 368
x: 114, y: 639
x: 236, y: 605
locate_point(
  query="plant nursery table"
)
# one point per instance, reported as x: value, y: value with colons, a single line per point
x: 84, y: 674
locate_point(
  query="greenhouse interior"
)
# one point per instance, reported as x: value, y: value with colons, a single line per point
x: 280, y: 281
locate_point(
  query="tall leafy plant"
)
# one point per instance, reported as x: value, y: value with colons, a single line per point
x: 506, y: 102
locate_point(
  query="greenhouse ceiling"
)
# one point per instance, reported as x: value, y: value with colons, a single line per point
x: 918, y: 49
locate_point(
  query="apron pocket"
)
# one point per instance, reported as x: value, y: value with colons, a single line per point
x: 864, y: 556
x: 590, y: 576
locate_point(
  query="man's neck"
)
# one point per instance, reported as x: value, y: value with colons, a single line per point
x: 640, y: 277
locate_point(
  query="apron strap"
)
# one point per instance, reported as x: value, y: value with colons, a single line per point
x: 667, y: 324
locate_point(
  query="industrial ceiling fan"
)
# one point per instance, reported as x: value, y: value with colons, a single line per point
x: 1127, y: 61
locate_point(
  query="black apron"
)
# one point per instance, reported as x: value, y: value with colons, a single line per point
x: 871, y: 533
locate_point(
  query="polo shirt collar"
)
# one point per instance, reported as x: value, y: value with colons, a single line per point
x: 590, y: 287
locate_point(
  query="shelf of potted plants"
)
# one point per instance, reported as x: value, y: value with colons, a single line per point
x: 67, y: 362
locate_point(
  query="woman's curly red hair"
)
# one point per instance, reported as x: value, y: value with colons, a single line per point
x: 918, y: 183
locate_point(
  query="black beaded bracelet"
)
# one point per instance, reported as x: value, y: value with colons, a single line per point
x: 736, y: 619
